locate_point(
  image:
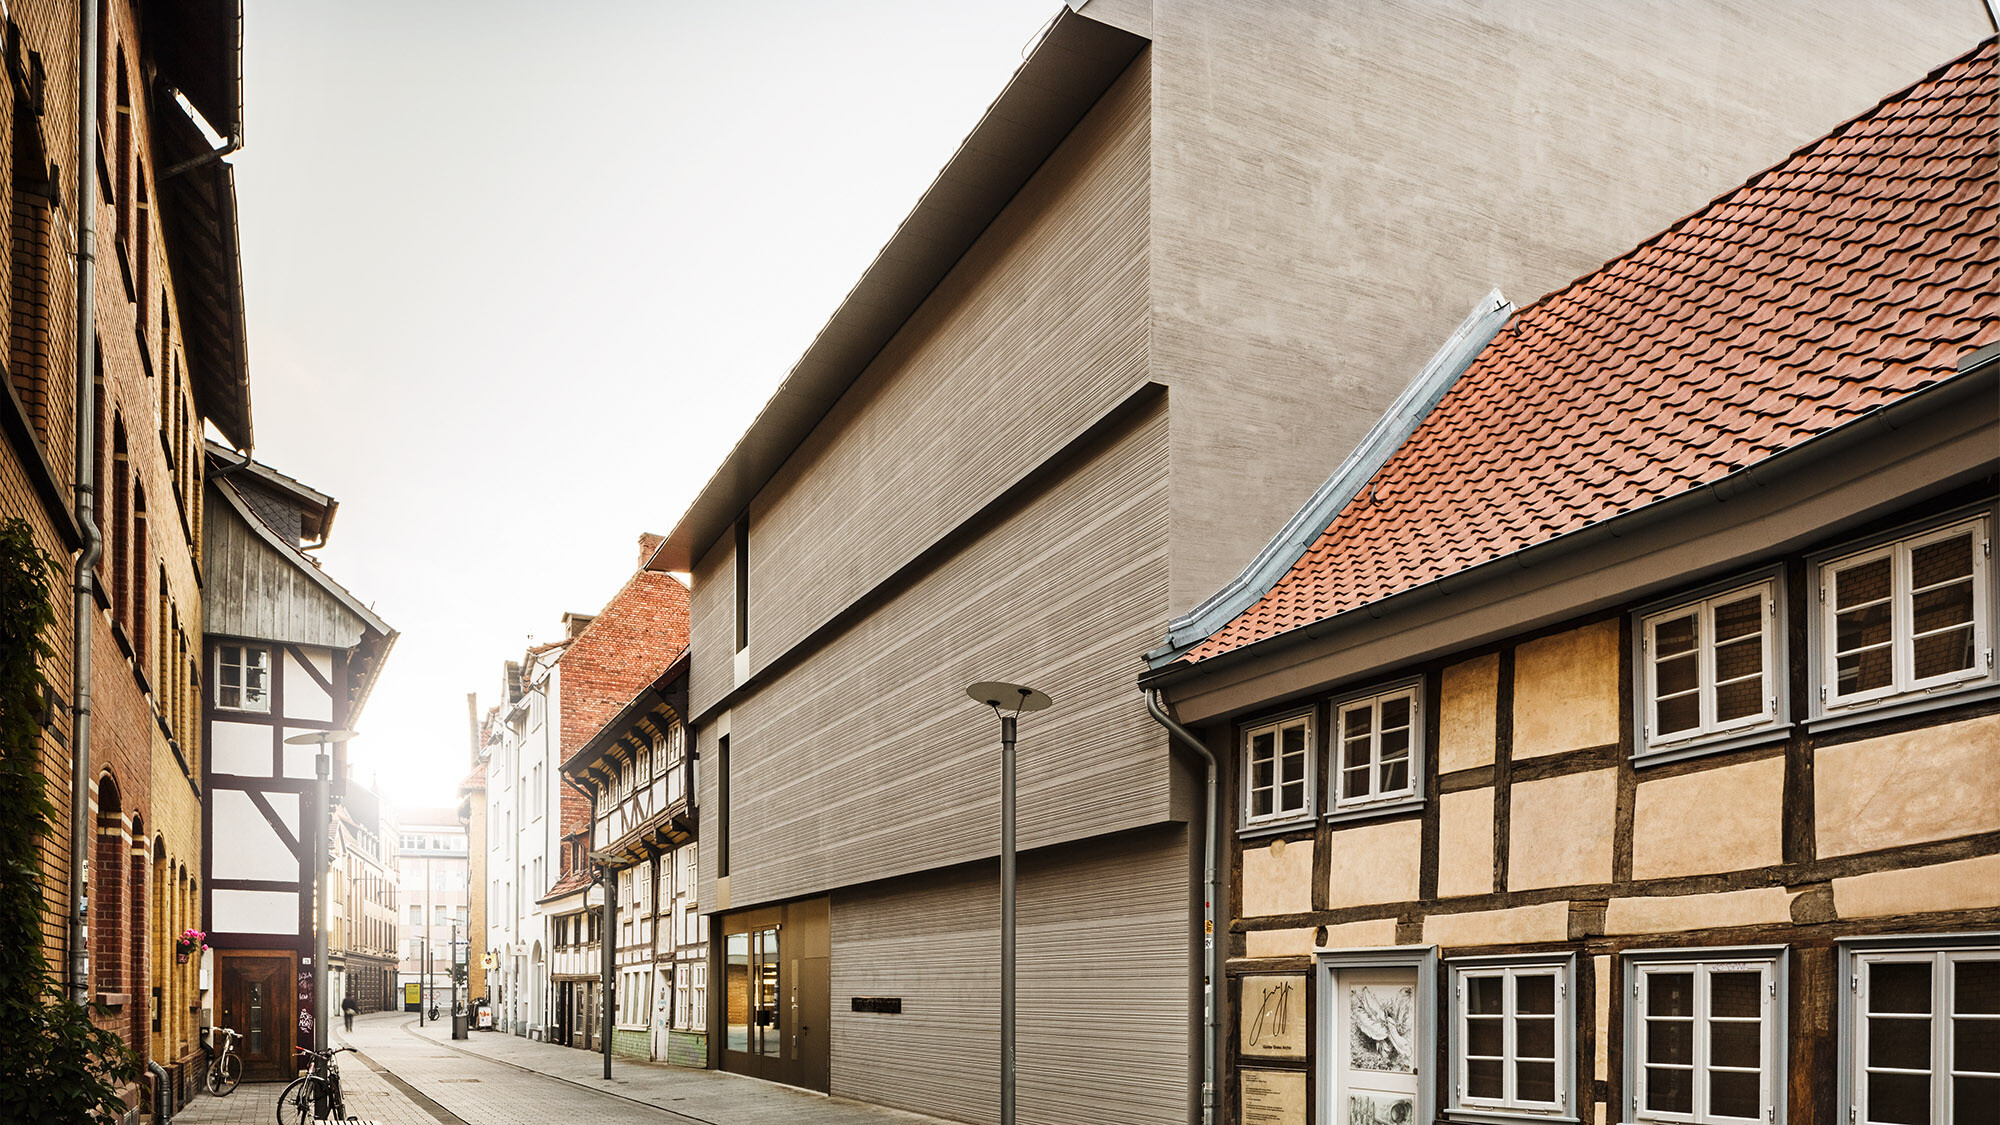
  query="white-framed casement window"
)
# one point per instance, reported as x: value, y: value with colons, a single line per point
x: 243, y: 678
x: 1704, y: 1036
x: 1512, y: 1036
x: 1711, y: 667
x: 1906, y: 617
x: 1921, y: 1038
x: 1278, y: 771
x: 1376, y: 748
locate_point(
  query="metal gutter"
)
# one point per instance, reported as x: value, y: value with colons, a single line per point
x: 1211, y: 964
x: 1065, y: 75
x: 80, y: 821
x: 1396, y: 424
x: 1978, y: 380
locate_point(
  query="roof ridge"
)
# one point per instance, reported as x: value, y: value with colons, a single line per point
x: 1839, y: 131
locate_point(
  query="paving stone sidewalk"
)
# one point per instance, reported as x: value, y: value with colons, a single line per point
x: 369, y: 1095
x: 694, y: 1097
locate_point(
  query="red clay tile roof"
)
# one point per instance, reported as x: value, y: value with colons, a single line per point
x: 474, y: 781
x: 570, y: 883
x: 1856, y: 271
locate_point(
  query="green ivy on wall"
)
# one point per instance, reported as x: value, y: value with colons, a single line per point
x: 55, y: 1064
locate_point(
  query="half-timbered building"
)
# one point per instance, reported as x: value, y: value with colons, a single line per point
x: 1622, y: 743
x: 643, y: 826
x: 286, y: 650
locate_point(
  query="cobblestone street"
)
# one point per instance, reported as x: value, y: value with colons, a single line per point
x: 407, y: 1076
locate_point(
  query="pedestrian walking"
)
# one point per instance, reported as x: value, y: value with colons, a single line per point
x: 347, y: 1009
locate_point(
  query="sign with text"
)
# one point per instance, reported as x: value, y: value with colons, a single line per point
x: 1271, y: 1016
x: 1273, y: 1097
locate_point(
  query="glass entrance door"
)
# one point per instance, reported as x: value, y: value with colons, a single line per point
x: 754, y: 1024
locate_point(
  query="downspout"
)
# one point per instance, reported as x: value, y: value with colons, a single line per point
x: 93, y: 543
x: 162, y: 1093
x: 1211, y: 967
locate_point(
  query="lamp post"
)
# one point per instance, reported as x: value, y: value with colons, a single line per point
x: 999, y: 695
x: 603, y: 894
x: 323, y: 818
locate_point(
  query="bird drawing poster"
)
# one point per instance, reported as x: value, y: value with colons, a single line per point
x: 1382, y: 1028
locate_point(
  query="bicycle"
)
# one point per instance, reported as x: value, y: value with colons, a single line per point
x: 225, y: 1069
x: 315, y: 1095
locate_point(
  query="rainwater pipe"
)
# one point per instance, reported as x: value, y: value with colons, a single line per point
x: 1210, y: 968
x: 93, y: 543
x: 162, y: 1093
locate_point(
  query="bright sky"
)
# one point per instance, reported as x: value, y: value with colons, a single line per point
x: 519, y: 274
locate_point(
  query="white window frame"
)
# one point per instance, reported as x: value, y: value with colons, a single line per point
x: 1903, y: 686
x: 1460, y: 1105
x: 1711, y: 735
x: 1374, y: 801
x: 1276, y: 728
x: 1772, y: 963
x: 242, y: 666
x: 1941, y: 952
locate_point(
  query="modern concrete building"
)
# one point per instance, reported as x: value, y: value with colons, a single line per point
x: 1167, y: 283
x: 1619, y: 741
x: 432, y: 859
x: 286, y: 651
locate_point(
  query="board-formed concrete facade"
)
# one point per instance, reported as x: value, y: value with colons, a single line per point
x: 1151, y: 303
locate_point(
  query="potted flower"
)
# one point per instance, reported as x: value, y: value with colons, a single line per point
x: 191, y: 941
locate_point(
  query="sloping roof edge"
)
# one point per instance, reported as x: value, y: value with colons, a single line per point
x: 1068, y: 71
x: 1394, y: 427
x: 227, y: 490
x: 1978, y: 375
x: 641, y: 703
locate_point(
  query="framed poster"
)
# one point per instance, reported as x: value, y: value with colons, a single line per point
x: 1272, y: 1097
x: 1271, y: 1016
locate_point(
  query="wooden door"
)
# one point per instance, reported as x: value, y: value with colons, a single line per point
x: 258, y: 997
x: 1374, y: 1048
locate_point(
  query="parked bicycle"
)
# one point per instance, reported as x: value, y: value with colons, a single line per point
x: 225, y: 1069
x: 314, y: 1095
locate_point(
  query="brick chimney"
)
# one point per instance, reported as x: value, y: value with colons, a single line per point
x: 648, y: 543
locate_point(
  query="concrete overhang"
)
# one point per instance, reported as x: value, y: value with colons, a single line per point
x: 1075, y: 62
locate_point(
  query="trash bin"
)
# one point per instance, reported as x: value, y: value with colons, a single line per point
x: 458, y: 1020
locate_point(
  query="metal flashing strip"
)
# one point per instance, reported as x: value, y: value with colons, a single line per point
x: 1298, y: 535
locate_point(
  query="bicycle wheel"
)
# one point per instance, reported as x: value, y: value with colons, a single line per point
x: 211, y: 1078
x: 228, y: 1072
x: 295, y: 1105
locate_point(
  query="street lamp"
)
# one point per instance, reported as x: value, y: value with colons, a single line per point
x: 999, y: 695
x: 323, y: 794
x: 603, y: 895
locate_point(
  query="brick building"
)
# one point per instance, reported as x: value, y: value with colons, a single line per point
x: 362, y: 886
x: 165, y: 325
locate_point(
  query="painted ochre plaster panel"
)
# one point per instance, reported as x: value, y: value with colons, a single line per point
x: 1727, y: 819
x: 1277, y: 943
x: 1466, y: 714
x: 1672, y: 914
x: 1961, y: 885
x: 1299, y: 943
x: 1566, y: 691
x: 1928, y: 784
x: 1548, y: 921
x: 1373, y: 863
x: 1465, y: 843
x: 1559, y: 832
x: 1361, y: 935
x: 1277, y: 879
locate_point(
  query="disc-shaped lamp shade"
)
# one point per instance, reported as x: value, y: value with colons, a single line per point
x: 315, y: 737
x: 1008, y: 697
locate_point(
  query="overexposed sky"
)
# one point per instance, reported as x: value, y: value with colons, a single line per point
x: 518, y: 276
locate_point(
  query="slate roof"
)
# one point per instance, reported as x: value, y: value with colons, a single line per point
x: 1853, y: 273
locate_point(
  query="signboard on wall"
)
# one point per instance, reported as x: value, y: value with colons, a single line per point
x: 1273, y: 1097
x: 1271, y: 1016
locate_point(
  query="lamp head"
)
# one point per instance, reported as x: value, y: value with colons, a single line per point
x: 1003, y: 696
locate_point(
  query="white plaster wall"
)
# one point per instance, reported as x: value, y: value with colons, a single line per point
x: 255, y: 912
x: 246, y: 846
x: 304, y: 698
x: 242, y: 749
x: 299, y: 759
